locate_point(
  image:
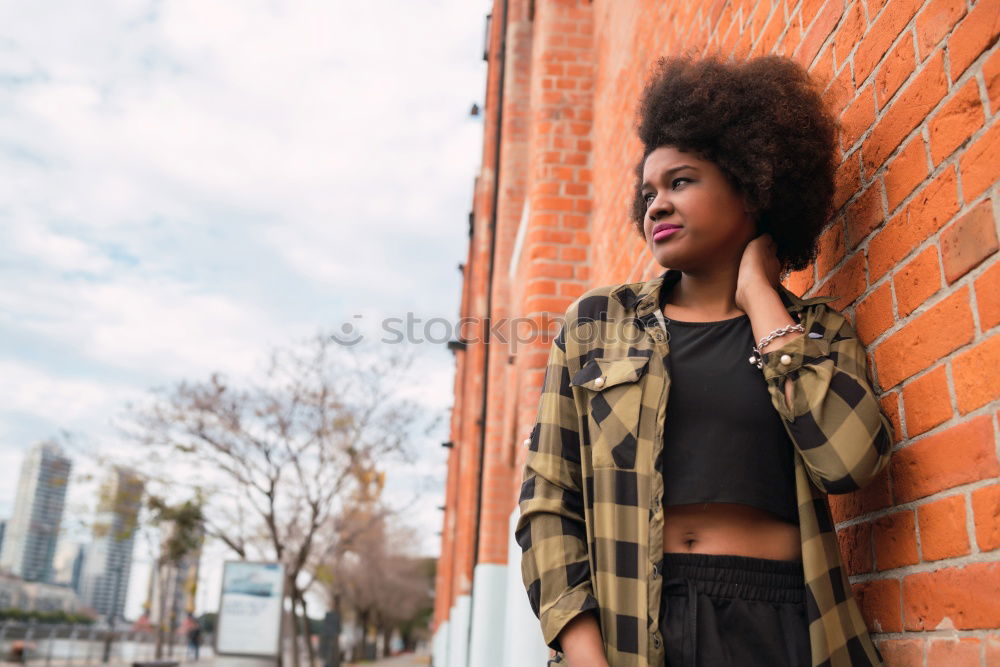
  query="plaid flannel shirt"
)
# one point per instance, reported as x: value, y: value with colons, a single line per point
x: 591, y: 522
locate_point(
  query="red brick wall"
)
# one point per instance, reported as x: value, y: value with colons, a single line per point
x: 911, y: 252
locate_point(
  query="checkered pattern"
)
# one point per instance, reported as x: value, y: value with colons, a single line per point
x: 591, y: 524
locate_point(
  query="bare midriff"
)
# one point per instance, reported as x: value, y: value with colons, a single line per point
x: 729, y: 528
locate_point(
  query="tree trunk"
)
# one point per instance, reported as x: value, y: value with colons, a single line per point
x: 386, y: 641
x: 307, y: 630
x: 295, y: 632
x: 161, y: 612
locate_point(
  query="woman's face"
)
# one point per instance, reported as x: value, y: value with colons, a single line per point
x: 695, y: 219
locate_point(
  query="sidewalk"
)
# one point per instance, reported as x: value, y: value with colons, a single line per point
x: 407, y: 660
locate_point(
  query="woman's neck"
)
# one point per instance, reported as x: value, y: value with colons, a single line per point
x: 705, y: 296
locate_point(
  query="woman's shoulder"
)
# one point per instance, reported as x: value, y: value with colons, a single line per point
x: 595, y: 304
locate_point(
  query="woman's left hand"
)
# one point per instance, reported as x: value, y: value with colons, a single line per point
x: 759, y: 269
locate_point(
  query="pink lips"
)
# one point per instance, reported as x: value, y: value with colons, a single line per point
x: 663, y: 231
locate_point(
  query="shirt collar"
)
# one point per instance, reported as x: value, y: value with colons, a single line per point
x: 644, y: 297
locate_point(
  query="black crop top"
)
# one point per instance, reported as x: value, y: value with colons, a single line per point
x: 723, y: 440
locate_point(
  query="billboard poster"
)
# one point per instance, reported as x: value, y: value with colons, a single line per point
x: 250, y: 609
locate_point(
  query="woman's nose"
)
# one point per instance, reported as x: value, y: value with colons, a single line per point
x: 660, y: 206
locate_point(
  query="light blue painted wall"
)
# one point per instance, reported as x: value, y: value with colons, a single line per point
x: 523, y: 645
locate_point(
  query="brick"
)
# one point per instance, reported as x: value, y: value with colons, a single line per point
x: 856, y: 547
x: 943, y: 328
x: 968, y: 241
x: 907, y: 111
x: 976, y: 33
x: 942, y: 529
x: 890, y: 408
x: 848, y: 179
x: 986, y: 516
x: 819, y: 31
x: 959, y: 455
x: 895, y: 538
x: 874, y: 7
x: 926, y: 402
x: 873, y: 314
x: 870, y: 498
x: 847, y: 283
x: 800, y: 281
x: 830, y: 248
x: 953, y: 652
x: 857, y: 118
x: 881, y: 604
x: 935, y: 21
x: 902, y: 652
x: 894, y: 70
x: 988, y: 297
x: 927, y: 212
x: 840, y: 91
x: 966, y: 598
x: 977, y: 375
x: 907, y: 170
x: 991, y: 74
x: 882, y: 34
x: 956, y: 121
x: 977, y: 163
x: 917, y: 281
x: 849, y: 32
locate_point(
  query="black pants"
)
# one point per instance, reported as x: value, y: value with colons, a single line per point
x: 719, y: 611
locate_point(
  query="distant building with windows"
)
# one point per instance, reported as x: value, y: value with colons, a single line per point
x: 108, y: 562
x: 16, y: 593
x: 68, y: 564
x: 31, y: 534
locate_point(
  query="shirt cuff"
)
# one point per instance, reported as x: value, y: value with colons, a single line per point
x: 558, y: 616
x: 791, y: 355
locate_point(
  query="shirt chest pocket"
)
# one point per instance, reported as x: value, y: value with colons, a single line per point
x: 613, y: 392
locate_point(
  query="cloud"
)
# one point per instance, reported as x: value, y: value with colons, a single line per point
x: 187, y: 183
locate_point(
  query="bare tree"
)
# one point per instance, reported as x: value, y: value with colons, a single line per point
x: 283, y: 456
x: 376, y: 574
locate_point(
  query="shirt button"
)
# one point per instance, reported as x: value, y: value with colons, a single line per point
x: 657, y: 335
x: 599, y: 382
x: 527, y: 442
x: 656, y: 641
x: 785, y: 360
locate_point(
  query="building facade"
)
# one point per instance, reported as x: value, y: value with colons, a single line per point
x: 31, y: 535
x: 107, y: 565
x: 910, y: 253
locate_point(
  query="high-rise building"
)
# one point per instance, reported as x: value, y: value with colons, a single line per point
x: 31, y: 534
x: 108, y: 562
x: 68, y: 564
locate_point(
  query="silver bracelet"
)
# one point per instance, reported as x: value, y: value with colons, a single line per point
x: 756, y: 358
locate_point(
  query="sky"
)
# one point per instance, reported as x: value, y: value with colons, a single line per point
x: 186, y: 184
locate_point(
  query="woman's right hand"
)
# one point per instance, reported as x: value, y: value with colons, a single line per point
x: 581, y: 642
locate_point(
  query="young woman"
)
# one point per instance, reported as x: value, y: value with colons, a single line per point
x: 673, y: 504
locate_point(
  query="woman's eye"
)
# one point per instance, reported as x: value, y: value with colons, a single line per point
x: 648, y: 198
x: 681, y: 179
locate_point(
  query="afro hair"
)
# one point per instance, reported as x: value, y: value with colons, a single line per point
x: 764, y: 124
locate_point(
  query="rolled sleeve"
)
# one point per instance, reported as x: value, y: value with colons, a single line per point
x: 835, y: 419
x: 551, y: 529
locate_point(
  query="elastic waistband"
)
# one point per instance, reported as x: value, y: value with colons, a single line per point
x: 733, y: 577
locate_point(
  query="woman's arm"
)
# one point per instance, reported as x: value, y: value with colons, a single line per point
x: 819, y: 386
x: 555, y: 564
